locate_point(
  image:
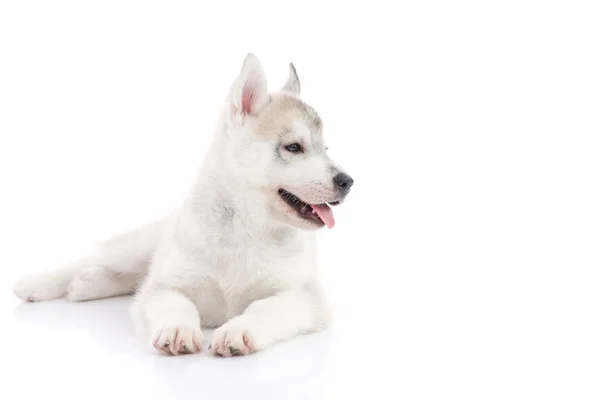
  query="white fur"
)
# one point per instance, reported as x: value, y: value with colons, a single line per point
x: 233, y: 255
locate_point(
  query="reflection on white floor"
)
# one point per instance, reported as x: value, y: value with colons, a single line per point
x: 93, y: 347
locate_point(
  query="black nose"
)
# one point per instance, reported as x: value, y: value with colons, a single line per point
x: 343, y: 181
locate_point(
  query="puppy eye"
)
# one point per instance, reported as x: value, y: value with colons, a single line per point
x: 294, y: 148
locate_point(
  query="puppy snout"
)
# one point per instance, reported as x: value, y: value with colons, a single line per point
x: 343, y: 182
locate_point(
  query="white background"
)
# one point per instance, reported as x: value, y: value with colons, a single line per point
x: 465, y: 263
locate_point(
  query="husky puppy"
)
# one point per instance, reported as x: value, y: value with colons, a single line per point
x: 239, y: 252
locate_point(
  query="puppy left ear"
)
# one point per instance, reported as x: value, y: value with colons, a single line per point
x: 249, y: 93
x: 292, y: 84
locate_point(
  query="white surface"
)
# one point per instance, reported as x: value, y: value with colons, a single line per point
x: 465, y: 263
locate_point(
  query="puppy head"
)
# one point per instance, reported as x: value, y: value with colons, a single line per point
x: 275, y: 145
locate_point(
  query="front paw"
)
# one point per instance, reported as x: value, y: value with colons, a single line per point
x: 178, y: 339
x: 234, y: 338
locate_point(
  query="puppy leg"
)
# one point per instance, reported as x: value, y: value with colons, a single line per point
x: 174, y: 321
x: 268, y: 321
x: 98, y: 283
x: 113, y: 268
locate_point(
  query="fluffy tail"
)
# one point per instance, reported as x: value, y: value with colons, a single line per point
x: 115, y: 268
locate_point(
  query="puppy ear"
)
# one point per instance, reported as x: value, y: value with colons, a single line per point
x: 292, y: 84
x: 249, y: 93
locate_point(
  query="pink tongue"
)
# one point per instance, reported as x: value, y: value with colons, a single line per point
x: 325, y: 213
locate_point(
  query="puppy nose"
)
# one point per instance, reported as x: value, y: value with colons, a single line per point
x: 343, y: 181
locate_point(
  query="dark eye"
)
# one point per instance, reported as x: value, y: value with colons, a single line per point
x: 293, y: 148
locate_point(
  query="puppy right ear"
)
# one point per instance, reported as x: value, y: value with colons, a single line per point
x: 292, y: 84
x: 249, y: 93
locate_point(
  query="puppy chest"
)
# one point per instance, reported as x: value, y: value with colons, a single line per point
x: 229, y: 289
x: 239, y: 271
x: 219, y: 298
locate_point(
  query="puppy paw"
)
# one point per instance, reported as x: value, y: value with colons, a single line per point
x: 234, y: 338
x: 39, y: 287
x: 178, y: 339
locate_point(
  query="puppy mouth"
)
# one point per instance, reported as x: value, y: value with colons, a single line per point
x: 318, y: 214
